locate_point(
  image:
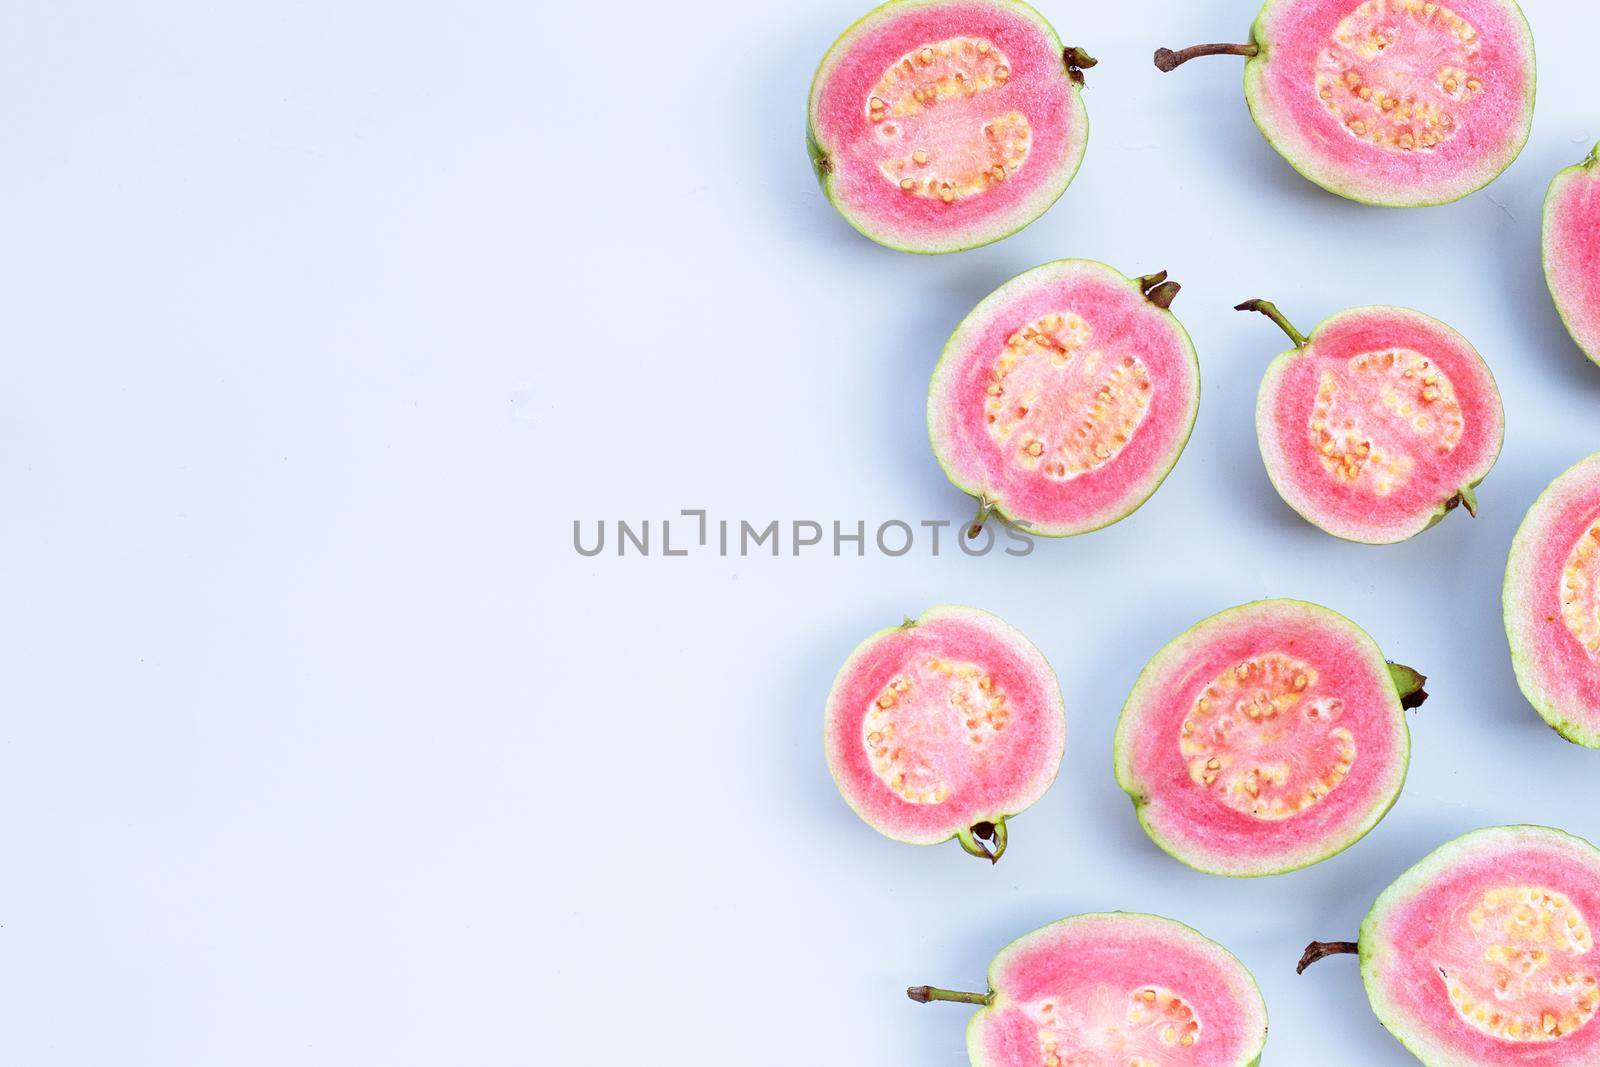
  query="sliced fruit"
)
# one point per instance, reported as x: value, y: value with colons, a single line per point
x: 1113, y: 989
x: 939, y: 125
x: 1552, y: 604
x: 1378, y: 424
x: 943, y: 727
x: 1572, y: 250
x: 1065, y: 397
x: 1265, y: 739
x: 1401, y: 103
x: 1483, y: 952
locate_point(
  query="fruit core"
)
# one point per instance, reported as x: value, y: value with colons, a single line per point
x: 1263, y: 741
x: 1131, y: 1030
x: 930, y: 724
x: 934, y: 113
x: 1398, y: 74
x: 1057, y: 405
x: 1367, y: 423
x: 1527, y: 981
x: 1580, y: 599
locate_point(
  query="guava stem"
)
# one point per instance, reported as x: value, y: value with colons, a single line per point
x: 1468, y: 498
x: 1168, y: 60
x: 1270, y: 310
x: 973, y: 837
x: 1163, y: 295
x: 1321, y: 950
x: 1157, y: 289
x: 927, y: 994
x: 1077, y: 61
x: 1408, y: 681
x: 985, y: 509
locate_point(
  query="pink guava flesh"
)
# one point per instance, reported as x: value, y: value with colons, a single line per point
x: 1264, y: 739
x: 1552, y: 604
x: 1395, y: 102
x: 1118, y: 989
x: 937, y: 125
x: 1483, y: 953
x: 1064, y: 398
x: 1572, y: 250
x: 1373, y: 430
x: 944, y: 723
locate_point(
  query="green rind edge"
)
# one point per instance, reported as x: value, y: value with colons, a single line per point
x: 975, y: 1053
x: 1577, y: 733
x: 1563, y: 176
x: 866, y: 643
x: 1396, y: 893
x: 816, y: 150
x: 1266, y: 127
x: 1165, y: 471
x: 1135, y: 791
x: 1435, y: 516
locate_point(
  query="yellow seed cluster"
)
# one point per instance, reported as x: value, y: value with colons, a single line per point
x: 1058, y: 405
x: 1534, y: 988
x: 1346, y: 449
x: 1379, y: 96
x: 1154, y: 1020
x: 941, y: 161
x: 1413, y: 388
x: 1580, y: 590
x: 1397, y: 394
x: 914, y: 723
x: 1260, y: 740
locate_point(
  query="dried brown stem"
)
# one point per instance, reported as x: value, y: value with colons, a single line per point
x: 1168, y: 60
x: 1321, y: 950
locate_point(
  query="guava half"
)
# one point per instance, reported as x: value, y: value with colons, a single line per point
x: 1113, y: 989
x: 943, y: 727
x: 1399, y: 103
x: 1551, y: 601
x: 1572, y: 250
x: 939, y: 125
x: 1379, y: 424
x: 1483, y: 953
x: 1265, y: 738
x: 1065, y: 397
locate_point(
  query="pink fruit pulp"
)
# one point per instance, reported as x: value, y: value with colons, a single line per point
x: 1348, y: 687
x: 850, y: 148
x: 1122, y: 324
x: 1009, y: 768
x: 1425, y: 469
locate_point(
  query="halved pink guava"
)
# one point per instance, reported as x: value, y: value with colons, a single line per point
x: 1399, y: 103
x: 1551, y: 601
x: 939, y: 125
x: 1265, y: 739
x: 1572, y: 250
x: 1379, y: 423
x: 944, y: 727
x: 1065, y: 397
x: 1483, y: 953
x: 1113, y: 989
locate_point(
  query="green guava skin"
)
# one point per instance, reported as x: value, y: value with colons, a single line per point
x: 1414, y: 878
x: 978, y: 1056
x: 955, y: 346
x: 1548, y: 225
x: 1306, y: 164
x: 1466, y: 496
x: 825, y: 174
x: 1404, y: 682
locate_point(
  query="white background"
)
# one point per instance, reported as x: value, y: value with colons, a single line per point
x: 323, y: 322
